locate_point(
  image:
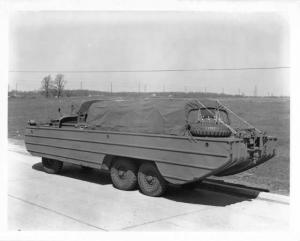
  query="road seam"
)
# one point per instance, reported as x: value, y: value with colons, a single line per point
x: 56, y: 212
x: 275, y: 198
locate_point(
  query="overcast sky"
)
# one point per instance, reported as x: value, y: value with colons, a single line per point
x: 92, y: 41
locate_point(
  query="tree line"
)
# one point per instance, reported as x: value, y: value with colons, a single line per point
x: 53, y: 87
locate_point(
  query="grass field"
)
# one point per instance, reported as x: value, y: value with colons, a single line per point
x: 269, y: 114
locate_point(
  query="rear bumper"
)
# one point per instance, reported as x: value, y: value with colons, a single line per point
x: 254, y: 158
x: 243, y: 166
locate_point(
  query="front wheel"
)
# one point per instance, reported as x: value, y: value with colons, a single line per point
x: 150, y: 180
x: 51, y: 166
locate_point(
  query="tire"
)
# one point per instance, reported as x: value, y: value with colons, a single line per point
x: 123, y: 174
x: 209, y: 129
x: 150, y: 181
x: 51, y: 166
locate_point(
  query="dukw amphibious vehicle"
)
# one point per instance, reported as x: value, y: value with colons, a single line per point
x: 150, y: 143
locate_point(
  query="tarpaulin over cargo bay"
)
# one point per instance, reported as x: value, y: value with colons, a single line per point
x: 157, y: 116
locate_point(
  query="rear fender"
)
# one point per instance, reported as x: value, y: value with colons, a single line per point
x: 107, y: 162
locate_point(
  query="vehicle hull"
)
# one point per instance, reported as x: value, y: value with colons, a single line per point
x: 179, y: 159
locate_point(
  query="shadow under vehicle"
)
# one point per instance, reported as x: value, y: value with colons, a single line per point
x: 150, y: 143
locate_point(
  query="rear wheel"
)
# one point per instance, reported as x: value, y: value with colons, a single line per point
x: 124, y: 174
x: 150, y: 180
x: 52, y: 166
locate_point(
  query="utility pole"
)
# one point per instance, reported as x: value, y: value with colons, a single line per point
x: 111, y: 90
x: 81, y: 85
x: 139, y: 86
x: 163, y: 88
x: 255, y: 91
x: 239, y: 92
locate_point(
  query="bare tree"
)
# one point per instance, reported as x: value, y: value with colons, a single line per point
x: 59, y: 84
x: 46, y: 85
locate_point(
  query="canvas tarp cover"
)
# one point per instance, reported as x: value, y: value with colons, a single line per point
x: 141, y: 116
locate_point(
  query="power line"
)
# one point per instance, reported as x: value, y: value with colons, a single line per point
x: 149, y: 70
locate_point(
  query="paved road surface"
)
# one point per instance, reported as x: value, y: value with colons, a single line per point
x: 75, y: 200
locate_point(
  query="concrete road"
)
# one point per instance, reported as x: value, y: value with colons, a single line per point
x: 77, y: 200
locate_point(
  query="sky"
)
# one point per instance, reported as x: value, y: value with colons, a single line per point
x: 62, y: 42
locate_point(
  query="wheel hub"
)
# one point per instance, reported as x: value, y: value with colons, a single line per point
x: 121, y: 173
x: 150, y: 179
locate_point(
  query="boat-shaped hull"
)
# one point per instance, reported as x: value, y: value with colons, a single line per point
x: 179, y: 159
